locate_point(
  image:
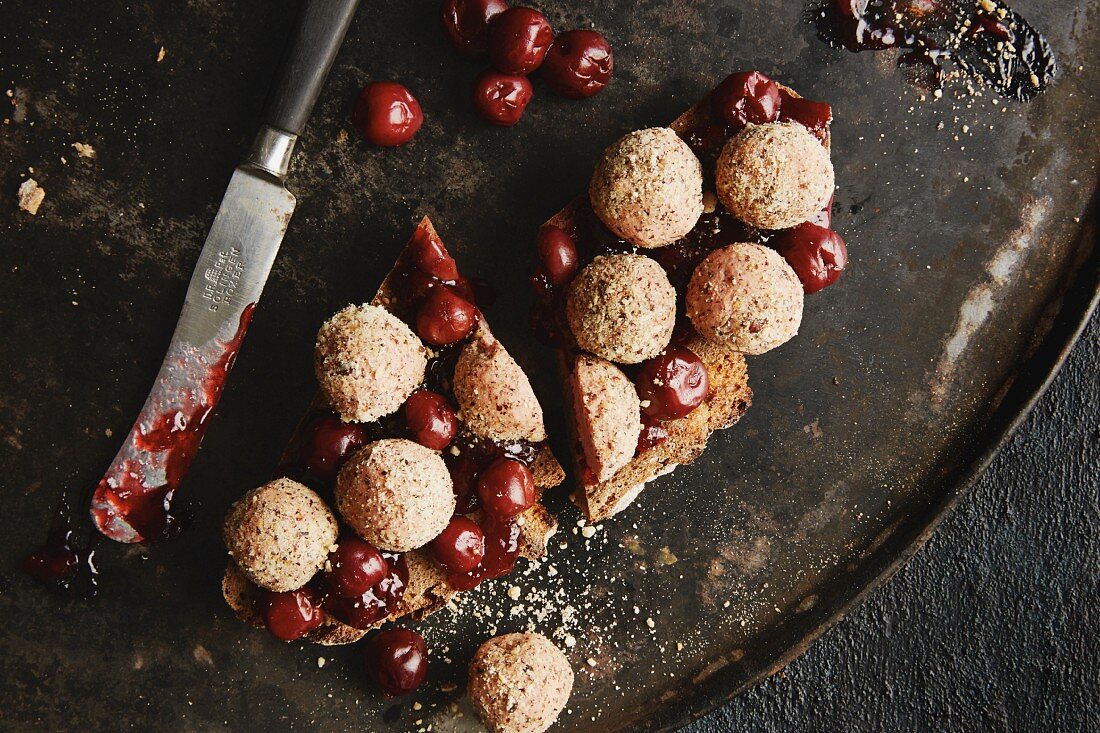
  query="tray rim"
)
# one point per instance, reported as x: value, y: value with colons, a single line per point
x: 1073, y: 304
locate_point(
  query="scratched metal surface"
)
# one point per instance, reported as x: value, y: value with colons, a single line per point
x: 862, y: 428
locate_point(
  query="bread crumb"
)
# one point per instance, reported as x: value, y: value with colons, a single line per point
x: 84, y: 150
x: 30, y: 196
x: 161, y: 54
x: 321, y: 662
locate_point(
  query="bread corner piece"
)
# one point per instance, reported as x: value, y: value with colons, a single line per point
x: 730, y: 397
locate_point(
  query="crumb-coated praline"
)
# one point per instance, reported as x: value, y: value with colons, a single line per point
x: 519, y: 683
x: 280, y: 534
x: 648, y: 187
x: 608, y: 414
x: 368, y: 362
x: 745, y: 296
x: 774, y: 176
x: 395, y: 494
x: 495, y: 398
x: 622, y: 307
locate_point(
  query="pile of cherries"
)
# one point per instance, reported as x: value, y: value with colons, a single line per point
x: 518, y: 41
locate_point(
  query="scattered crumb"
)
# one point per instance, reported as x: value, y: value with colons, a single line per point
x: 84, y: 150
x: 30, y: 196
x: 320, y: 662
x: 161, y: 54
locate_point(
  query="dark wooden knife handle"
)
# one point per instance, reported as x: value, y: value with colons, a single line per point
x: 317, y: 36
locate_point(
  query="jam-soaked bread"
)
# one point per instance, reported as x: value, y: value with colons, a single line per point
x: 428, y: 589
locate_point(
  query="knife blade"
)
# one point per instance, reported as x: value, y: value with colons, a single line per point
x: 132, y: 502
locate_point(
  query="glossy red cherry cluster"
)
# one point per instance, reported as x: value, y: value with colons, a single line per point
x: 750, y: 97
x: 445, y: 312
x: 519, y: 41
x: 387, y: 114
x: 397, y: 660
x: 816, y: 254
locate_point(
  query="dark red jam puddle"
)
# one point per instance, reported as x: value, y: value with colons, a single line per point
x: 66, y: 560
x: 994, y: 46
x: 132, y: 503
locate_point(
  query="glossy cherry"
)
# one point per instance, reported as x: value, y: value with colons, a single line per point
x: 387, y: 114
x: 558, y: 254
x: 747, y: 97
x: 653, y: 434
x: 355, y: 567
x: 397, y: 659
x: 430, y: 419
x: 460, y: 547
x: 672, y: 384
x: 815, y: 116
x: 506, y: 488
x: 501, y: 550
x: 290, y: 615
x: 518, y: 40
x: 501, y: 99
x: 579, y: 64
x: 445, y: 317
x: 464, y: 472
x: 430, y: 257
x: 816, y: 254
x: 465, y: 22
x: 329, y: 443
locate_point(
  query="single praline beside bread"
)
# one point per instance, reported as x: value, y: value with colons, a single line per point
x: 519, y: 683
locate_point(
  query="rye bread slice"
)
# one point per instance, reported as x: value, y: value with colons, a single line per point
x: 427, y: 590
x: 729, y: 399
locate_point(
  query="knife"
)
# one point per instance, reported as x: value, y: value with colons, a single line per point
x: 133, y: 500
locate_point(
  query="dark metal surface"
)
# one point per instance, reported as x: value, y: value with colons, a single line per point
x: 862, y: 431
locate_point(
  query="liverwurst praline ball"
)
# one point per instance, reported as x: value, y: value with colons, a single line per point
x: 622, y: 307
x: 280, y: 534
x: 774, y: 176
x: 745, y: 296
x: 395, y: 494
x: 519, y: 683
x: 368, y: 362
x: 495, y: 398
x: 648, y: 187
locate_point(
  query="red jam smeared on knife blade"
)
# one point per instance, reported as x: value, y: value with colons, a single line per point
x: 133, y: 500
x: 985, y: 39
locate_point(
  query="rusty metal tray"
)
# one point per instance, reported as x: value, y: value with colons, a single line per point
x: 970, y: 226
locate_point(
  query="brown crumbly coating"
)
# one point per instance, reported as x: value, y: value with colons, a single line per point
x: 648, y: 187
x: 368, y: 362
x: 519, y: 683
x: 774, y: 176
x: 608, y: 414
x: 395, y: 494
x: 622, y: 308
x: 747, y: 297
x: 280, y: 534
x: 495, y: 398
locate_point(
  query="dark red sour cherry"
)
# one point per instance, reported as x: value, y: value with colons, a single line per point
x: 445, y: 317
x: 331, y: 441
x: 355, y: 567
x: 672, y: 384
x: 387, y: 114
x: 506, y: 488
x: 747, y: 97
x: 816, y: 254
x: 518, y: 40
x: 430, y: 419
x: 558, y: 254
x: 397, y: 659
x: 460, y: 547
x: 465, y: 22
x: 430, y: 257
x: 290, y: 615
x: 815, y: 116
x: 501, y: 98
x: 578, y: 64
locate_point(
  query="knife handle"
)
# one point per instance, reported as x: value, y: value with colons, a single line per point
x: 317, y: 36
